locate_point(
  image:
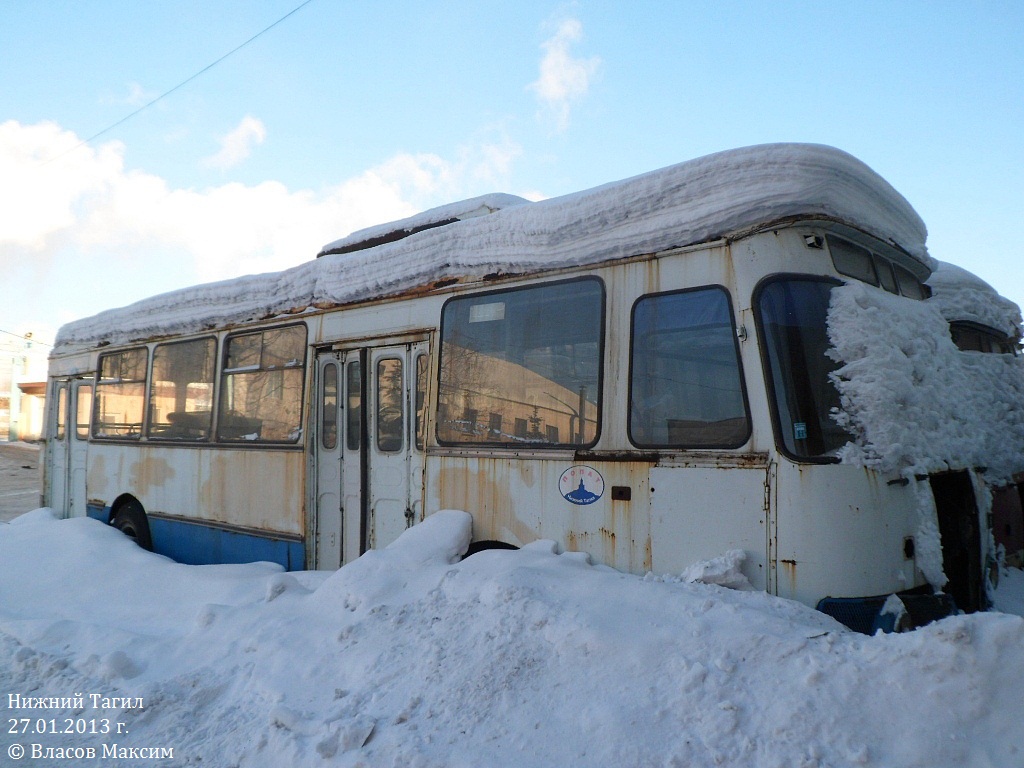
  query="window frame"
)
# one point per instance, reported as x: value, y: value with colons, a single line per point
x: 486, y: 441
x: 84, y: 386
x: 223, y: 373
x: 379, y: 377
x: 98, y: 388
x: 768, y: 377
x: 329, y: 440
x: 214, y: 400
x: 907, y: 284
x: 739, y: 370
x: 984, y: 333
x: 61, y: 417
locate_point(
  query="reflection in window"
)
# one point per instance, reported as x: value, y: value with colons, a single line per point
x: 261, y: 386
x: 793, y: 315
x: 421, y: 399
x: 390, y: 405
x: 62, y: 411
x: 83, y: 410
x: 526, y: 357
x: 121, y: 394
x: 354, y: 405
x: 686, y: 388
x: 181, y: 392
x: 329, y: 407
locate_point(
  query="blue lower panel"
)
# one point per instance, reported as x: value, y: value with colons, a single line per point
x: 863, y: 614
x: 198, y: 544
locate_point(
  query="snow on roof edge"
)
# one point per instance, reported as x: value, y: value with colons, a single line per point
x: 461, y: 210
x: 722, y: 194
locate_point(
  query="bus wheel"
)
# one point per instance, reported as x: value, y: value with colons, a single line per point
x: 130, y: 519
x: 480, y: 546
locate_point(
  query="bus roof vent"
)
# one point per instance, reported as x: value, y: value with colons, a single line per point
x: 380, y: 234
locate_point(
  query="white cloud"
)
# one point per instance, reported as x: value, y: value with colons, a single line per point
x: 564, y: 79
x: 237, y: 145
x: 82, y: 233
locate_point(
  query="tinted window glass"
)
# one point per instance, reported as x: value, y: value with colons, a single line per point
x: 181, y: 391
x: 909, y: 285
x: 852, y: 260
x: 686, y: 389
x: 83, y: 411
x: 529, y: 357
x: 390, y: 405
x: 793, y: 315
x: 976, y: 338
x: 329, y: 407
x: 885, y: 275
x: 62, y: 411
x: 354, y: 405
x: 121, y: 394
x: 421, y: 399
x: 261, y: 386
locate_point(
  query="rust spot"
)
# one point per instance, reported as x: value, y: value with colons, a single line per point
x: 491, y: 277
x: 150, y: 472
x: 789, y: 566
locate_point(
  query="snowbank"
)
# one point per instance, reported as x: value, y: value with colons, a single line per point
x: 527, y: 658
x: 721, y: 195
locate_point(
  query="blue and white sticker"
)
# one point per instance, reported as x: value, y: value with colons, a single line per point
x: 581, y: 485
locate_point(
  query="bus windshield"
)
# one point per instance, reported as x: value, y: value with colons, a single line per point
x: 793, y: 314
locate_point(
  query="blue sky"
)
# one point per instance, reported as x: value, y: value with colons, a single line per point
x: 349, y: 114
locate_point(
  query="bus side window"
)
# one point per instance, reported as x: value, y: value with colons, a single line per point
x: 526, y: 356
x: 181, y: 390
x: 121, y: 394
x: 686, y: 386
x: 261, y: 386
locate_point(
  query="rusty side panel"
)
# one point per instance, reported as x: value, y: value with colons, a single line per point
x: 518, y: 501
x: 261, y: 490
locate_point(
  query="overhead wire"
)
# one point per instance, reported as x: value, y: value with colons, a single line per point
x: 183, y: 83
x: 26, y: 338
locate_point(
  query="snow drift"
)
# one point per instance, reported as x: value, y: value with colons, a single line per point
x: 528, y: 658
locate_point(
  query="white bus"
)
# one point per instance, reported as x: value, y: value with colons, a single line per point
x: 650, y: 372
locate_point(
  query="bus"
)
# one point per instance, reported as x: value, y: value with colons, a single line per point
x: 736, y: 354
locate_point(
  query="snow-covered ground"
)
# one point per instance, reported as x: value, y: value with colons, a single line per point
x: 411, y: 657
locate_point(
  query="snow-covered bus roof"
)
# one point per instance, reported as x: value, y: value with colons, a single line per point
x: 724, y: 195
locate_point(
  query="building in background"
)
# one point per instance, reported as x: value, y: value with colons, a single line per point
x: 22, y: 387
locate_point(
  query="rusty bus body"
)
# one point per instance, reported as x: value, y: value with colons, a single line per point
x: 636, y: 408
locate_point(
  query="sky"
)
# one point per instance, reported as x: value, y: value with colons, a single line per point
x: 343, y: 115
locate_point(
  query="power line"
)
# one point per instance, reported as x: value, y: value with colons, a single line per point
x: 185, y: 82
x: 26, y: 338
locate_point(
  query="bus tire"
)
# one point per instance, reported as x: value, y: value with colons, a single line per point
x: 480, y: 546
x: 130, y: 519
